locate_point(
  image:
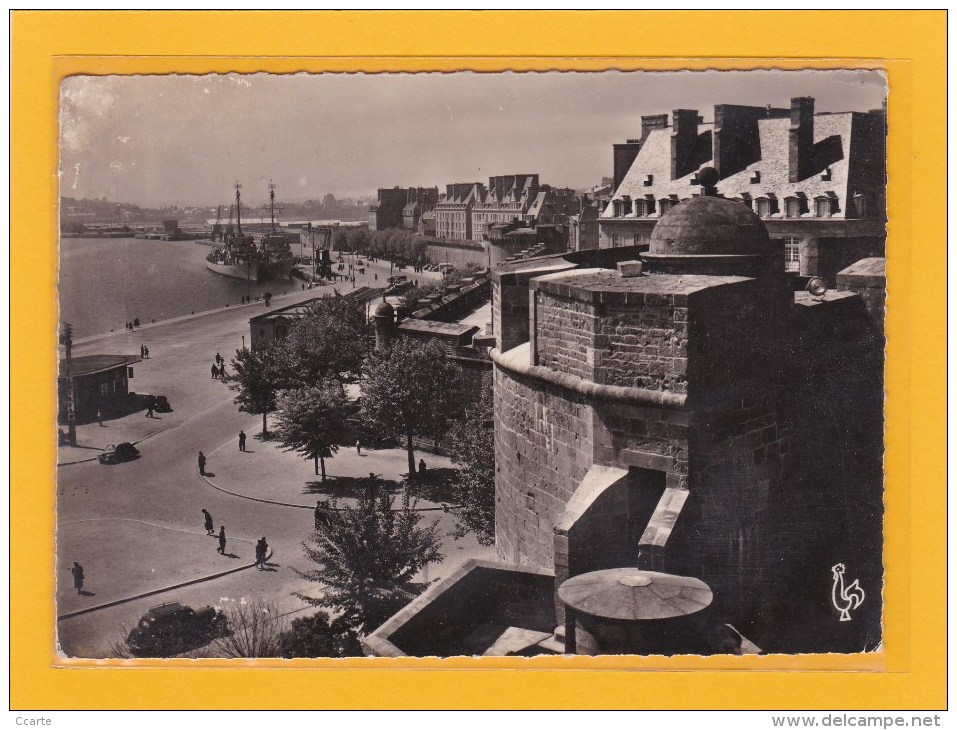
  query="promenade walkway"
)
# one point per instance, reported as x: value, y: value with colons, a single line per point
x: 265, y: 472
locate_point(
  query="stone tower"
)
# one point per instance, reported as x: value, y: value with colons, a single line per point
x: 636, y: 425
x: 384, y: 318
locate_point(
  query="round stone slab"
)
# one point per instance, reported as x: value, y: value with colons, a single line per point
x: 631, y: 594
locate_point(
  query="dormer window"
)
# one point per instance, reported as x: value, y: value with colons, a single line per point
x: 755, y: 177
x: 825, y: 205
x: 666, y: 204
x: 649, y: 180
x: 826, y: 175
x: 767, y: 205
x: 863, y: 205
x: 627, y: 205
x: 795, y: 205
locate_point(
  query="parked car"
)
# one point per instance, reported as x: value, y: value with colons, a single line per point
x: 172, y: 628
x: 161, y: 404
x: 116, y: 453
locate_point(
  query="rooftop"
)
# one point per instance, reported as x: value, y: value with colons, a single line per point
x: 592, y: 284
x: 89, y: 364
x: 831, y: 130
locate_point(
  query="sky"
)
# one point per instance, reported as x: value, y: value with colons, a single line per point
x: 184, y: 140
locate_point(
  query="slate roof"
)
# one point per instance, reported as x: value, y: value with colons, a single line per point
x: 90, y: 364
x: 654, y: 159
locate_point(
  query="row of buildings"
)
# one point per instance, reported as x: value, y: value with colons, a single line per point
x: 510, y: 205
x: 817, y: 180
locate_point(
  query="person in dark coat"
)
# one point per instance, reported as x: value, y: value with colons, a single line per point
x: 421, y: 466
x: 208, y: 522
x: 222, y: 540
x: 213, y: 371
x: 242, y: 440
x: 261, y: 549
x: 77, y: 571
x: 202, y: 464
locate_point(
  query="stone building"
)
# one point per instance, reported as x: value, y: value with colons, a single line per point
x: 817, y: 180
x: 506, y: 200
x: 421, y: 201
x: 453, y: 212
x: 386, y: 211
x: 583, y: 226
x: 690, y: 417
x: 401, y: 207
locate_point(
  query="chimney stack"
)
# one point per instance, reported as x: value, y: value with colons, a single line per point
x: 652, y: 122
x: 801, y: 138
x: 684, y: 138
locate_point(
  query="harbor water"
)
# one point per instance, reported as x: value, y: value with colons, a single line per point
x: 107, y: 282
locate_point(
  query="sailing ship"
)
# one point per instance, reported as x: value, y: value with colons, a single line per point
x: 241, y: 257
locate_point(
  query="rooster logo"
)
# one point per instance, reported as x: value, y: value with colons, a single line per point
x: 845, y: 598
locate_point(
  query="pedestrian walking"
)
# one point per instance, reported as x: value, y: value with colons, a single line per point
x: 208, y: 522
x: 78, y: 577
x: 99, y: 417
x: 149, y: 407
x: 242, y: 440
x: 358, y: 448
x: 142, y: 353
x: 219, y: 359
x: 146, y: 351
x: 202, y: 464
x: 261, y: 549
x: 222, y: 371
x: 421, y: 466
x: 213, y: 371
x: 222, y: 540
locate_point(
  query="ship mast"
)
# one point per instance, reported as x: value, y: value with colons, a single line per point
x: 272, y: 210
x: 239, y: 225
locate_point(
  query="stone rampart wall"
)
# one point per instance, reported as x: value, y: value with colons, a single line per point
x: 542, y: 452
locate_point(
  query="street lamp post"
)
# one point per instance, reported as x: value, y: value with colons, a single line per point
x: 66, y: 338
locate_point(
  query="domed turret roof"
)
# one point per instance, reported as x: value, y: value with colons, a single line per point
x: 712, y: 226
x: 383, y: 309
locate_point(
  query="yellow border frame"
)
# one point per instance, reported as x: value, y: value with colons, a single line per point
x: 910, y: 45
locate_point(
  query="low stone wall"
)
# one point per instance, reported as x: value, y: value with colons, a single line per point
x: 457, y: 253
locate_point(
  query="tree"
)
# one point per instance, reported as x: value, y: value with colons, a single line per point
x: 317, y: 635
x: 256, y: 377
x: 310, y: 421
x: 367, y: 558
x: 473, y: 486
x: 329, y: 340
x: 254, y: 631
x: 409, y: 390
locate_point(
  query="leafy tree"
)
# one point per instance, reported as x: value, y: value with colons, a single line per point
x: 473, y: 487
x: 409, y: 389
x: 330, y: 340
x: 317, y: 635
x: 310, y: 421
x: 367, y: 558
x: 419, y: 290
x: 257, y: 377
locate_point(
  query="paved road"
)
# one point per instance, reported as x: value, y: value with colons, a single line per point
x: 164, y: 488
